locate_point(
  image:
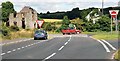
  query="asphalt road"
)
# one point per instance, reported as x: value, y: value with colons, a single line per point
x: 60, y: 47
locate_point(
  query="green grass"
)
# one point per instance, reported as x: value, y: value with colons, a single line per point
x: 103, y: 35
x: 117, y: 55
x: 0, y: 37
x: 19, y: 34
x: 52, y: 20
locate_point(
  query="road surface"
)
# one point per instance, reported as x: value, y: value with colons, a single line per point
x: 60, y: 47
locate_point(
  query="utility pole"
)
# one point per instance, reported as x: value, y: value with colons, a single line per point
x: 102, y: 6
x: 116, y: 24
x: 111, y: 24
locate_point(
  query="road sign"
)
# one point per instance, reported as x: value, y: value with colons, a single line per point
x: 114, y: 13
x: 40, y: 22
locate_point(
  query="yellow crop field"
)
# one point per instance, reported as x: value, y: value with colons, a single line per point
x: 52, y: 20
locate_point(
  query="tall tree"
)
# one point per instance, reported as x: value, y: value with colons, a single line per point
x: 7, y: 8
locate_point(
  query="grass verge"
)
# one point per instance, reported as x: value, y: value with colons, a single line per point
x: 117, y: 55
x: 19, y: 34
x: 103, y: 35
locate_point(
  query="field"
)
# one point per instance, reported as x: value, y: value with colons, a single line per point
x: 52, y: 20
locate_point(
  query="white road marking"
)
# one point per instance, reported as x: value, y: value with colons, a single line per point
x: 106, y: 48
x: 50, y: 56
x: 18, y: 48
x: 2, y: 54
x: 61, y: 48
x: 9, y: 51
x: 26, y: 46
x: 23, y: 47
x: 29, y: 45
x: 109, y: 44
x: 66, y: 43
x: 15, y: 41
x: 69, y: 38
x: 14, y: 50
x: 32, y: 44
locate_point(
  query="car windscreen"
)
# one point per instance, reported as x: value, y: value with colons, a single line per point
x: 39, y: 32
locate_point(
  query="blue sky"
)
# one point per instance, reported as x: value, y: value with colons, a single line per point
x: 60, y: 5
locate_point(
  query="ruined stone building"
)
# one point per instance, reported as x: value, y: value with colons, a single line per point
x: 26, y: 18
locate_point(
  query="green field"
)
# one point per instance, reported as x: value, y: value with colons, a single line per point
x: 52, y: 20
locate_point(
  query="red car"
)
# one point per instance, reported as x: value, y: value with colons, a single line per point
x: 70, y: 31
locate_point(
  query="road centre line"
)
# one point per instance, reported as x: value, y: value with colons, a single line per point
x: 19, y: 48
x: 23, y: 47
x: 49, y: 56
x: 61, y: 48
x: 66, y: 43
x: 109, y: 44
x: 2, y: 54
x: 9, y: 51
x: 14, y: 50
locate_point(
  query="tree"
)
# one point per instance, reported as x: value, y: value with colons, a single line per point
x: 104, y: 23
x: 65, y: 21
x: 48, y: 12
x: 7, y: 8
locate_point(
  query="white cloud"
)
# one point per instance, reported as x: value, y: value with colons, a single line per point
x: 60, y: 5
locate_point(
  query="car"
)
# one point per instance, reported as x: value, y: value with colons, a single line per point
x: 70, y: 31
x: 40, y: 34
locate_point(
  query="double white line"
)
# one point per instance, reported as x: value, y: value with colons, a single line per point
x: 103, y: 42
x: 105, y: 46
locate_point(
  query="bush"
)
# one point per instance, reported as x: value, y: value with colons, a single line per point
x: 5, y: 31
x: 14, y: 28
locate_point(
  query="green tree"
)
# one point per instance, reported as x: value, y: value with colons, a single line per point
x: 65, y: 21
x: 104, y: 23
x: 7, y: 8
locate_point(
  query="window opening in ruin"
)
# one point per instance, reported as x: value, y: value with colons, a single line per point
x: 7, y: 23
x: 23, y: 23
x: 15, y: 23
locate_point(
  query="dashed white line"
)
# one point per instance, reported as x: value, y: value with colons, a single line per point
x: 66, y: 43
x: 9, y: 51
x: 23, y: 47
x: 32, y: 44
x: 2, y: 54
x: 61, y: 48
x: 14, y: 50
x: 18, y: 48
x: 106, y: 48
x: 29, y: 45
x: 109, y: 44
x: 26, y: 46
x: 50, y: 56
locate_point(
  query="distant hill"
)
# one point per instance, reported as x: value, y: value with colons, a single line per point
x: 75, y: 13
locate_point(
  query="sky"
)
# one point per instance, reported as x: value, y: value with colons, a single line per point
x: 60, y: 5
